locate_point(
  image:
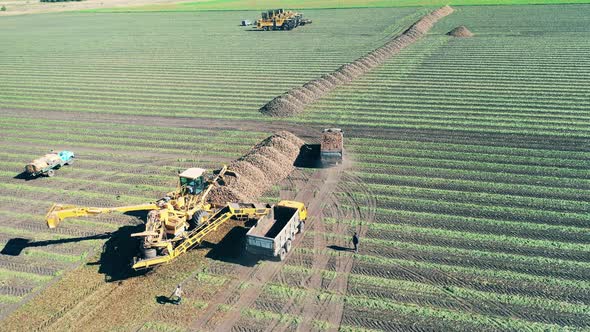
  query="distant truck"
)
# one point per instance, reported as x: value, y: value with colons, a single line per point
x: 47, y: 164
x: 331, y: 147
x: 273, y: 234
x: 246, y: 23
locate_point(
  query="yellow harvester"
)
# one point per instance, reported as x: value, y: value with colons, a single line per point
x: 176, y: 222
x: 279, y: 19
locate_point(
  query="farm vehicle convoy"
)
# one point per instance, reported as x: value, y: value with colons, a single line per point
x: 279, y: 19
x: 183, y: 218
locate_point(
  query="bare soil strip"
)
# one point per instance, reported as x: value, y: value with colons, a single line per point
x: 294, y: 101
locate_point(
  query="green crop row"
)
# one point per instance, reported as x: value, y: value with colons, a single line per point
x: 583, y: 174
x: 128, y: 199
x: 43, y: 255
x: 480, y: 157
x: 548, y: 264
x: 159, y: 144
x: 557, y: 205
x: 482, y: 275
x: 415, y: 287
x: 83, y: 141
x: 479, y: 211
x: 431, y: 312
x: 559, y: 184
x: 529, y: 302
x: 4, y: 273
x: 471, y: 237
x: 146, y: 132
x: 385, y: 145
x: 519, y: 191
x: 104, y: 186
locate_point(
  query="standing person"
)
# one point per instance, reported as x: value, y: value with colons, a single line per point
x: 355, y: 241
x: 177, y: 295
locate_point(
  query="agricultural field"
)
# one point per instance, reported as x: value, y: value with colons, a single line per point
x: 466, y: 170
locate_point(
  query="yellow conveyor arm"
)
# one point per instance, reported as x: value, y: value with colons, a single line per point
x: 59, y: 212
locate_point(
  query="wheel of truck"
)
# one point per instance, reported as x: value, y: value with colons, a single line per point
x: 69, y: 162
x: 301, y: 227
x: 148, y: 253
x: 282, y: 254
x: 265, y: 28
x: 50, y: 173
x: 288, y: 245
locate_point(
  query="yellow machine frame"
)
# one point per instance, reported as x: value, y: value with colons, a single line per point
x: 166, y: 230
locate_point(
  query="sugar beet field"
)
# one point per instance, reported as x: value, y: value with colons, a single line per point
x: 467, y: 170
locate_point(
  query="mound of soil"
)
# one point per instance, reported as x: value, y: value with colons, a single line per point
x: 295, y: 101
x: 281, y: 107
x: 266, y: 164
x: 461, y: 32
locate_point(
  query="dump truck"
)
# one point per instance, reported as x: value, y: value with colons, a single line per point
x: 279, y: 19
x: 273, y: 234
x: 331, y: 147
x: 50, y: 162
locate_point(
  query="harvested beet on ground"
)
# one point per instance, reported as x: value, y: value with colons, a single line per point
x: 346, y: 73
x: 281, y: 107
x: 266, y: 164
x: 300, y: 94
x: 461, y: 32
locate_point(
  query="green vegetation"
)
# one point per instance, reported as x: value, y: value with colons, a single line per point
x: 4, y: 273
x: 161, y: 327
x: 470, y: 178
x: 265, y: 4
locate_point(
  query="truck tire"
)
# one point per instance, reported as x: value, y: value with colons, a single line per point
x: 50, y: 173
x: 301, y: 227
x: 288, y: 245
x: 148, y: 253
x: 282, y: 254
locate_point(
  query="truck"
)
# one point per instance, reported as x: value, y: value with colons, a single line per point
x: 273, y: 234
x: 47, y: 164
x: 331, y: 147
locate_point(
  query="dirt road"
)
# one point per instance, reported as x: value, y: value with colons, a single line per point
x: 22, y: 7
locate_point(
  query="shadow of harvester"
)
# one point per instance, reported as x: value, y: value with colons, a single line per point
x: 115, y: 259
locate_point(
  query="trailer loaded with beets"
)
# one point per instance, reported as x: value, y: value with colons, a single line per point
x: 47, y: 164
x: 331, y: 148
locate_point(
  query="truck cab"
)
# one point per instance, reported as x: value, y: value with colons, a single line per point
x: 192, y: 181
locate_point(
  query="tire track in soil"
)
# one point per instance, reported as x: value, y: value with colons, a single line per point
x: 315, y: 214
x: 331, y: 309
x: 326, y: 309
x: 319, y: 185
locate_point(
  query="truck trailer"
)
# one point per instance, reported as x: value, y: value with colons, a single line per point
x: 47, y: 164
x: 331, y: 148
x: 273, y: 234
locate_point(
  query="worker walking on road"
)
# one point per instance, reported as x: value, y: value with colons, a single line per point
x: 177, y: 295
x: 355, y: 241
